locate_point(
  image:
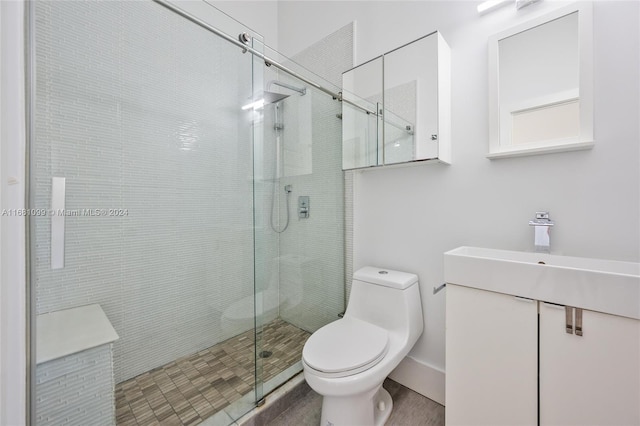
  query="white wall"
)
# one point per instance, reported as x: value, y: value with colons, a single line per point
x: 312, y: 287
x: 405, y: 218
x: 260, y: 16
x: 12, y: 228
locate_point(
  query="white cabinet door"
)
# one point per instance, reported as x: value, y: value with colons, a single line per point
x: 593, y: 379
x: 491, y: 358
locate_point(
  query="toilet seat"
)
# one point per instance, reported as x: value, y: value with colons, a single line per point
x: 345, y: 347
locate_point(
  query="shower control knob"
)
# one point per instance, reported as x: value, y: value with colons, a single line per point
x: 303, y: 207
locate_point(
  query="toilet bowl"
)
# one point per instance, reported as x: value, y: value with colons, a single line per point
x: 347, y: 360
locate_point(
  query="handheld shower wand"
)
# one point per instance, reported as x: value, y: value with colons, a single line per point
x: 287, y: 191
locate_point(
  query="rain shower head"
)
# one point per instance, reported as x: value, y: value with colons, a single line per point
x: 301, y: 90
x: 269, y: 97
x: 272, y: 97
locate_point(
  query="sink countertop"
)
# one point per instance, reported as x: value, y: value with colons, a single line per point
x: 601, y: 285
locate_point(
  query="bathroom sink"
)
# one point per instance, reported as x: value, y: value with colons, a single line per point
x: 607, y: 286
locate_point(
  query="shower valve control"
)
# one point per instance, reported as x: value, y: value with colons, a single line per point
x: 303, y: 207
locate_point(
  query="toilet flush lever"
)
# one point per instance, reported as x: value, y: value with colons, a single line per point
x: 440, y: 287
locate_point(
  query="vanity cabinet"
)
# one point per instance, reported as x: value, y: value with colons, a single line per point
x: 491, y: 358
x: 511, y: 361
x: 593, y: 379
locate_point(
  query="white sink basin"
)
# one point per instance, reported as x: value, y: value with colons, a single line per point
x: 607, y: 286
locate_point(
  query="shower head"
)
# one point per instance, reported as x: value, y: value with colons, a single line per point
x: 301, y: 90
x: 272, y: 97
x: 269, y: 97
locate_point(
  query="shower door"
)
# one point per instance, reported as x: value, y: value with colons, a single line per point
x: 299, y: 219
x: 142, y: 158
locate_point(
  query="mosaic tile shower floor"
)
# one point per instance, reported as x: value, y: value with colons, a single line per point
x: 192, y: 388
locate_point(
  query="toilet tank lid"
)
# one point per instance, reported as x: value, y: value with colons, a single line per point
x: 385, y: 277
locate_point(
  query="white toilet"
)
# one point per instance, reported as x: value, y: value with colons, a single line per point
x: 347, y: 360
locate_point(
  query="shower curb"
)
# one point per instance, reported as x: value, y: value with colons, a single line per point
x: 276, y: 402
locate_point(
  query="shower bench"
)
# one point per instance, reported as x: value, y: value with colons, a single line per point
x: 74, y: 367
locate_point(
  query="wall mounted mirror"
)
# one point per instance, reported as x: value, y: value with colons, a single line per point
x: 410, y: 70
x: 362, y: 101
x: 403, y: 99
x: 540, y: 85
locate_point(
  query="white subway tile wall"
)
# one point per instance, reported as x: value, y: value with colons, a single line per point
x: 139, y: 110
x: 62, y: 387
x: 348, y: 232
x: 312, y: 292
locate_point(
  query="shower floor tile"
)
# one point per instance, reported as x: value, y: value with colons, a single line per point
x: 192, y: 388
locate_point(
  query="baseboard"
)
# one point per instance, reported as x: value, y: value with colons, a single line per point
x: 420, y: 377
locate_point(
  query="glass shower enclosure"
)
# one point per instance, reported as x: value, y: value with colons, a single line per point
x: 174, y: 278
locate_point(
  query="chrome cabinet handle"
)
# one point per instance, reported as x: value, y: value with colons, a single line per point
x: 568, y: 312
x: 578, y: 322
x: 569, y: 318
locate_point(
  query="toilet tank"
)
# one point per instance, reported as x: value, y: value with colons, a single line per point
x: 389, y: 299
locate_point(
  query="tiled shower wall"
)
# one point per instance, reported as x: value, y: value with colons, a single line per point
x: 312, y: 294
x: 140, y: 110
x: 62, y: 387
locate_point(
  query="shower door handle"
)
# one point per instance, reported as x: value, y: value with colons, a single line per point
x: 57, y: 222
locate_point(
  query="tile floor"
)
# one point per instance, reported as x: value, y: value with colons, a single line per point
x: 192, y: 388
x: 409, y: 409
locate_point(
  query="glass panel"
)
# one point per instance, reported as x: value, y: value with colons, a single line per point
x: 265, y: 271
x: 399, y: 144
x: 362, y: 86
x: 140, y: 111
x: 299, y: 261
x: 359, y: 133
x: 299, y: 212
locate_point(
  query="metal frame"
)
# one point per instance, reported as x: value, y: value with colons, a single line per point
x: 30, y: 71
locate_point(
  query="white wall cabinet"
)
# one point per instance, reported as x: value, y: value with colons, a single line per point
x: 494, y: 343
x: 397, y: 107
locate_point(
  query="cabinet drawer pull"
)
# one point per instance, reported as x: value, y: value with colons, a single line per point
x: 578, y: 322
x: 568, y: 312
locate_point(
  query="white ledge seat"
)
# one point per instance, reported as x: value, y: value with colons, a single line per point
x: 70, y: 331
